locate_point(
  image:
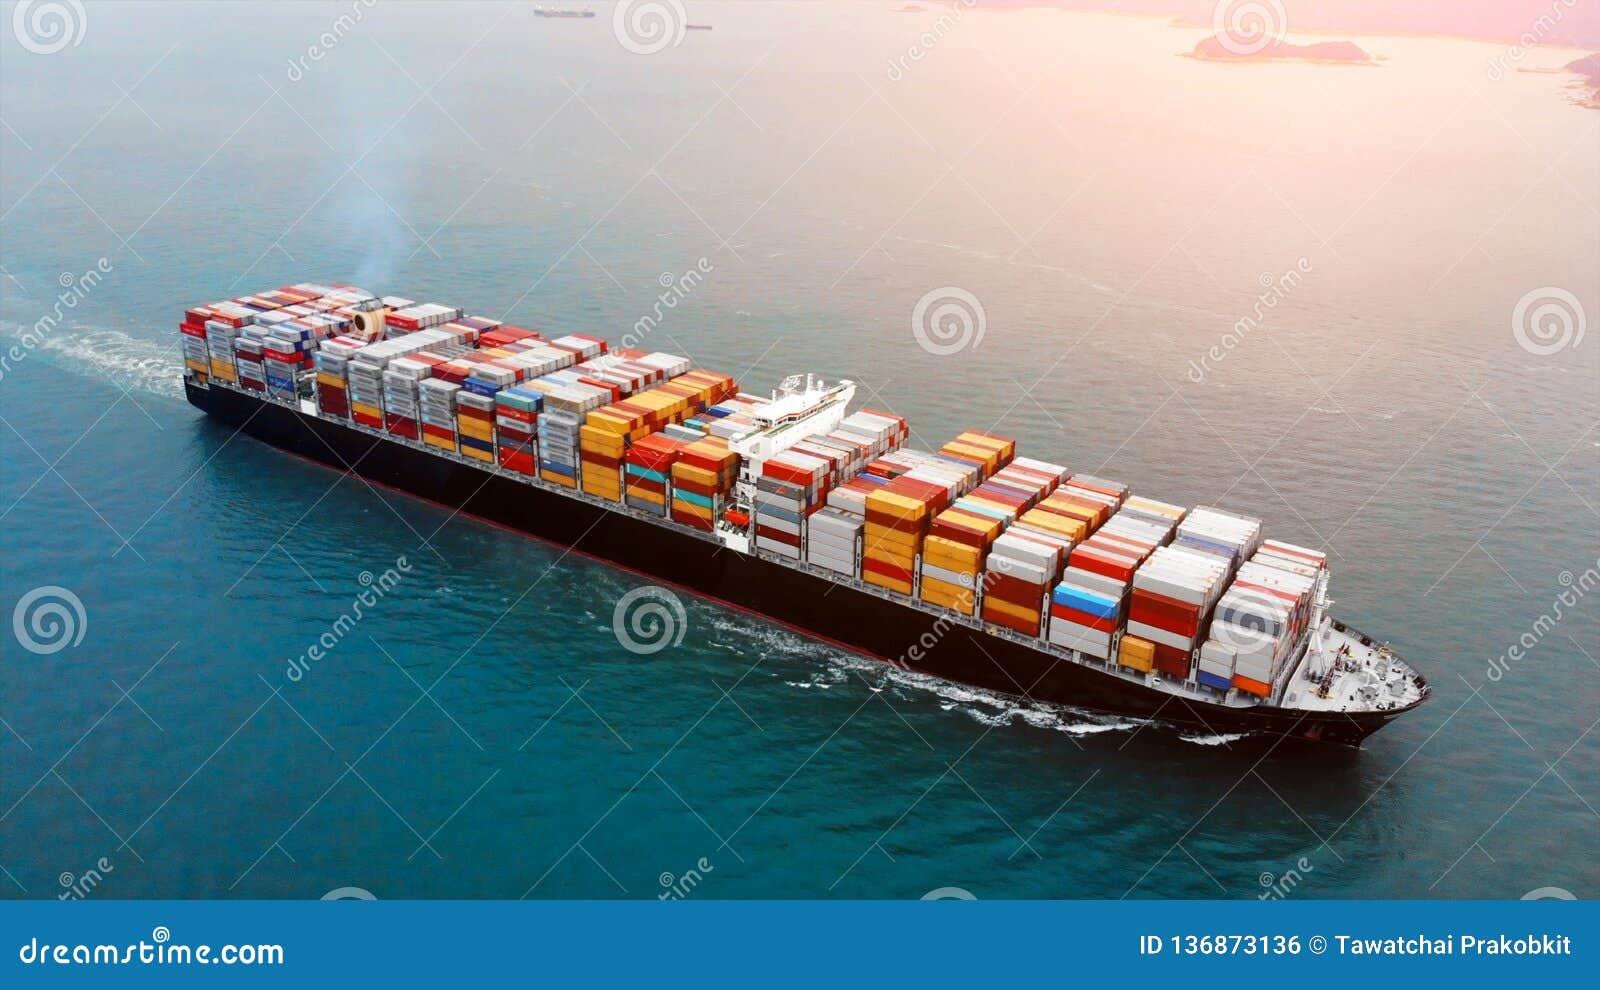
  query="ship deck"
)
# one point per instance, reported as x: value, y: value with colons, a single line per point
x: 1343, y: 670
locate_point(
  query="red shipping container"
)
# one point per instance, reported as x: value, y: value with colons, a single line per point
x: 1094, y: 622
x: 1157, y: 610
x: 1102, y: 563
x: 778, y: 536
x: 886, y: 569
x: 1172, y: 661
x: 518, y: 461
x: 694, y: 522
x: 438, y: 431
x: 1011, y: 622
x: 1015, y: 590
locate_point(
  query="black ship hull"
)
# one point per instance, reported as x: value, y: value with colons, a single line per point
x: 858, y: 620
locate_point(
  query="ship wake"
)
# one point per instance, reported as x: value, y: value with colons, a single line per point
x: 130, y: 363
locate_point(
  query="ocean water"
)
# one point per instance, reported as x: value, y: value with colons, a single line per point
x: 1115, y: 210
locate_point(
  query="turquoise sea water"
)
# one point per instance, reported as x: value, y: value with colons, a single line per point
x: 1115, y: 209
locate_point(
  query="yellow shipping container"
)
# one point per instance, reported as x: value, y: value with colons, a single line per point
x: 556, y: 478
x: 1020, y: 612
x: 202, y: 367
x: 365, y: 410
x: 1050, y: 522
x: 882, y: 581
x: 948, y: 595
x: 477, y: 429
x: 689, y: 508
x: 1139, y: 654
x: 434, y: 441
x: 332, y: 381
x: 478, y: 455
x: 940, y: 552
x: 889, y: 541
x: 224, y: 371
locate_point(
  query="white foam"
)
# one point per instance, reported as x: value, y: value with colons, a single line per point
x: 132, y: 363
x: 1218, y: 739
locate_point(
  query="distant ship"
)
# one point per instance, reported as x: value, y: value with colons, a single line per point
x: 561, y: 12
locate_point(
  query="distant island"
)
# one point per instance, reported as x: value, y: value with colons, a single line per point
x: 1223, y: 49
x: 1589, y: 68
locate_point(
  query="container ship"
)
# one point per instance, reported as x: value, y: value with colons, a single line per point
x: 969, y: 563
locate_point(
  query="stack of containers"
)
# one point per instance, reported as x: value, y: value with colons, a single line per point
x: 333, y: 384
x: 702, y: 477
x: 1224, y: 534
x: 1087, y: 606
x: 248, y: 362
x: 366, y: 392
x: 790, y: 486
x: 953, y: 553
x: 439, y: 413
x: 833, y: 540
x: 421, y: 316
x: 988, y: 451
x: 475, y: 425
x: 1174, y: 591
x: 565, y: 408
x: 196, y: 357
x: 1260, y: 619
x: 1022, y: 565
x: 897, y: 516
x: 516, y: 418
x: 1019, y: 572
x: 402, y: 397
x: 648, y: 467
